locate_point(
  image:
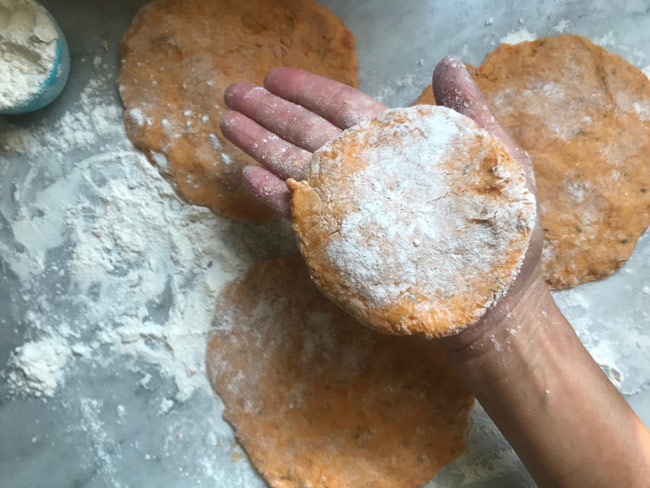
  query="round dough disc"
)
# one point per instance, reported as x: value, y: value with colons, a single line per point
x: 178, y: 58
x: 414, y: 222
x: 316, y: 399
x: 583, y: 115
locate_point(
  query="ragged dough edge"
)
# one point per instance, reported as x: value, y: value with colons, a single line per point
x: 590, y: 235
x: 183, y: 151
x: 314, y: 229
x: 253, y: 358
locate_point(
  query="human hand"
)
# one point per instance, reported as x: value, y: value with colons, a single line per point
x: 522, y: 360
x: 527, y: 367
x: 454, y: 88
x: 281, y: 125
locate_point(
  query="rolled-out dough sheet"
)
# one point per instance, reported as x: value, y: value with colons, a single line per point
x: 319, y: 400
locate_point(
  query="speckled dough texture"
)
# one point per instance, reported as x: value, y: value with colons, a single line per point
x: 178, y: 58
x: 583, y: 115
x: 415, y: 222
x: 318, y: 400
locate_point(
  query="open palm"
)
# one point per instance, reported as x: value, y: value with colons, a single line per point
x: 296, y: 112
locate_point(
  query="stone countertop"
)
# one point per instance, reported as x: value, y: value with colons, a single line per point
x: 106, y: 426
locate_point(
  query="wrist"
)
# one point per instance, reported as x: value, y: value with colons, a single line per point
x: 513, y: 321
x: 566, y: 421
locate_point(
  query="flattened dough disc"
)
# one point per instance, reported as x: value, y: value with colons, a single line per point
x: 415, y: 222
x: 318, y: 400
x: 178, y: 58
x: 583, y: 115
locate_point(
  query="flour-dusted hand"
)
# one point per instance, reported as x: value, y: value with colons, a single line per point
x: 454, y: 87
x: 415, y: 222
x: 527, y: 367
x: 522, y: 360
x: 282, y: 124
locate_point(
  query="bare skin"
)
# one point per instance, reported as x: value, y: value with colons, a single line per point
x: 523, y: 361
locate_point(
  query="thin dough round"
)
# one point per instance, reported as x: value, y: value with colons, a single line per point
x: 178, y: 58
x: 318, y: 400
x: 414, y: 222
x: 583, y: 115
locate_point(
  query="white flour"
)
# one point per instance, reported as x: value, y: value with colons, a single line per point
x: 606, y: 40
x: 562, y: 26
x: 27, y: 50
x: 135, y: 273
x: 516, y: 37
x: 39, y: 366
x: 144, y: 269
x: 113, y: 272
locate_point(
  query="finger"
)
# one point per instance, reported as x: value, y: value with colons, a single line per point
x: 277, y: 155
x: 268, y: 189
x: 341, y: 104
x: 453, y: 87
x: 291, y: 122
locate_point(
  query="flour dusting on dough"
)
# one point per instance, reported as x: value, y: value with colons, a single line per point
x: 432, y: 210
x: 516, y: 37
x: 392, y: 203
x: 583, y: 115
x: 307, y: 386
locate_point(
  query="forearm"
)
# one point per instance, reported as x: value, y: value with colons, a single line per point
x: 567, y: 422
x: 526, y: 366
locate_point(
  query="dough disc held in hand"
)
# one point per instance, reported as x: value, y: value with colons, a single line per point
x: 178, y: 58
x: 414, y: 222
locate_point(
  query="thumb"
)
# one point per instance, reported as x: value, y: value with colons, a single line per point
x: 453, y: 87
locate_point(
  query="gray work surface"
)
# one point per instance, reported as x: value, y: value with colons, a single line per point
x: 47, y: 443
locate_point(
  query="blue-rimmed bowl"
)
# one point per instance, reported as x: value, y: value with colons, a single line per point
x: 54, y: 83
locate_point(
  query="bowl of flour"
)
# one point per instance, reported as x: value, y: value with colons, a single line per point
x: 34, y: 57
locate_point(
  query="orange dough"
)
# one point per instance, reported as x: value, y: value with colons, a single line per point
x: 415, y: 222
x: 178, y: 58
x: 426, y: 97
x: 583, y: 115
x: 318, y: 400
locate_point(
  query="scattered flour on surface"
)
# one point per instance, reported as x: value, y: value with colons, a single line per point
x: 404, y: 196
x: 389, y: 93
x: 144, y: 267
x: 516, y: 37
x: 106, y: 449
x: 166, y: 405
x: 606, y: 40
x: 113, y: 274
x: 38, y: 367
x: 610, y: 41
x: 562, y: 26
